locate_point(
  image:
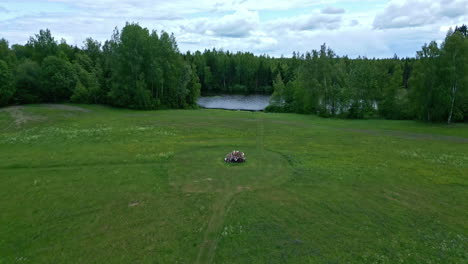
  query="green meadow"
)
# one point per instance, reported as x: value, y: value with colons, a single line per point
x: 94, y: 184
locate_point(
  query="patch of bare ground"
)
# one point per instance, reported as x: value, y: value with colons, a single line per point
x: 20, y: 117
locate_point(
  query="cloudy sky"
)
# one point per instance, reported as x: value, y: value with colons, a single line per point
x: 375, y: 28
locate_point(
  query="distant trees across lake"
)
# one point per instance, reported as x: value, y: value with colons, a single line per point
x: 432, y: 87
x: 142, y: 69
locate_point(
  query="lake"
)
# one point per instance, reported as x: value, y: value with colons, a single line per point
x: 235, y: 102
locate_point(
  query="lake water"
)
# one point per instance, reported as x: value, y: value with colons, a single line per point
x: 235, y: 102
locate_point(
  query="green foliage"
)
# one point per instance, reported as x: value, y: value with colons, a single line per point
x: 87, y: 88
x: 440, y: 80
x: 194, y: 88
x: 277, y: 98
x: 6, y: 54
x: 28, y: 82
x: 58, y: 79
x: 92, y: 48
x: 427, y: 94
x: 238, y: 73
x: 7, y: 87
x: 432, y: 88
x: 239, y: 89
x: 395, y: 102
x: 66, y: 51
x: 81, y: 94
x: 207, y: 78
x: 43, y: 45
x: 454, y: 62
x: 147, y: 70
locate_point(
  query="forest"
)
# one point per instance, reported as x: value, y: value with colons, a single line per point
x: 142, y: 69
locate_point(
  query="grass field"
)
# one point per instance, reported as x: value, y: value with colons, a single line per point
x: 91, y: 184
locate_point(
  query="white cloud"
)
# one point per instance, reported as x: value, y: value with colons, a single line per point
x: 237, y: 25
x: 453, y: 8
x: 415, y: 13
x: 314, y: 21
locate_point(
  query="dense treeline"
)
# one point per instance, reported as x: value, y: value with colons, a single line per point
x: 225, y: 72
x: 140, y: 69
x: 136, y: 69
x: 432, y: 87
x: 328, y: 85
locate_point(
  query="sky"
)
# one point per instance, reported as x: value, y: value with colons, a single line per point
x: 378, y: 28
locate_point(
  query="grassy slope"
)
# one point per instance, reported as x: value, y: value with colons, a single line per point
x: 122, y: 186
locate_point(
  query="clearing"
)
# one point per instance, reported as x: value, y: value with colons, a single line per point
x: 93, y: 184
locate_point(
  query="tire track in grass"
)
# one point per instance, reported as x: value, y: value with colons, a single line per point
x: 211, y: 237
x: 221, y: 206
x: 260, y: 133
